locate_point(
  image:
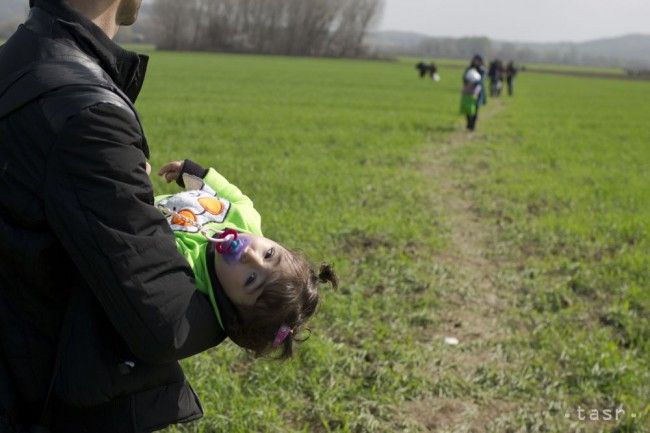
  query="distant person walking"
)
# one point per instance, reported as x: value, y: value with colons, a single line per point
x: 473, y: 90
x: 469, y: 100
x: 511, y: 73
x: 496, y: 72
x: 478, y: 64
x: 431, y: 70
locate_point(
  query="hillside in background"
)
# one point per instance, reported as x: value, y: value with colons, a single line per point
x: 629, y: 47
x: 631, y: 51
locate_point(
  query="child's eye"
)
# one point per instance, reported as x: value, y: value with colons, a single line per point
x: 270, y: 253
x: 251, y: 279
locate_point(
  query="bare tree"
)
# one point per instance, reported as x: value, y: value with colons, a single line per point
x: 293, y: 27
x: 172, y: 17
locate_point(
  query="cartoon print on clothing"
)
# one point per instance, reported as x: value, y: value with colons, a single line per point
x: 194, y: 208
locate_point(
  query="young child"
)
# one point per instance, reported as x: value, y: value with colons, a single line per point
x: 469, y: 101
x: 262, y: 293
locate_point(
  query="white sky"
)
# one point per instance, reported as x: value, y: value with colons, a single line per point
x: 519, y: 20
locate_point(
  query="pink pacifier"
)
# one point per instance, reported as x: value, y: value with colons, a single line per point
x: 230, y: 245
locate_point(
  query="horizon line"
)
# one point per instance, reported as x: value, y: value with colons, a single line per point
x: 517, y: 41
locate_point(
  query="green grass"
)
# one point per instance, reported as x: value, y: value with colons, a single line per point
x: 573, y: 68
x: 140, y: 48
x: 332, y: 152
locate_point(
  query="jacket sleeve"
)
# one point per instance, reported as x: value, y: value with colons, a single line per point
x: 244, y: 216
x: 225, y: 189
x: 99, y: 202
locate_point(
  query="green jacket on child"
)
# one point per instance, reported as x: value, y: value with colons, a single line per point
x: 209, y: 205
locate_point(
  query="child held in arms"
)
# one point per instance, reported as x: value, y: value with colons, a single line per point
x: 262, y: 292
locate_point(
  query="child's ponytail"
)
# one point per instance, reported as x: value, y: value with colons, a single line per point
x: 327, y: 275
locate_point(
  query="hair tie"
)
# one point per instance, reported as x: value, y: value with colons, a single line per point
x: 281, y: 335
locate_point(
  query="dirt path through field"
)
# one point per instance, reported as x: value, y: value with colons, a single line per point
x: 472, y: 306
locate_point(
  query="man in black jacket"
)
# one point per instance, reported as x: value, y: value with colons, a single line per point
x: 96, y: 305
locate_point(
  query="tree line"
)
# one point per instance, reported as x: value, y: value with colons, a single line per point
x: 556, y: 53
x: 285, y: 27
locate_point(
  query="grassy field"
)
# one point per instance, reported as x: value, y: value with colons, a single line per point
x: 342, y: 160
x: 572, y: 68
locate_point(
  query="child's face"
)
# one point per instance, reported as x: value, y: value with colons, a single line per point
x: 260, y: 262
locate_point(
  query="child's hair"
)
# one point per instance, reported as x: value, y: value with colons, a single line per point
x: 287, y: 301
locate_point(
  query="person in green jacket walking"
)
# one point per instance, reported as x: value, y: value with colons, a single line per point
x: 470, y: 97
x: 262, y: 292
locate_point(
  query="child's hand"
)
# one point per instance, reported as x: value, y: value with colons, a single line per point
x: 171, y: 170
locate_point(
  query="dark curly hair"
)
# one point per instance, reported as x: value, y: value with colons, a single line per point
x: 288, y: 300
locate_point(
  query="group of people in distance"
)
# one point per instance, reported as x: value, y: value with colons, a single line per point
x: 431, y: 70
x: 498, y: 73
x: 473, y: 94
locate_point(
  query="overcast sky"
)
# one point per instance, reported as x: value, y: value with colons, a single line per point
x: 519, y: 20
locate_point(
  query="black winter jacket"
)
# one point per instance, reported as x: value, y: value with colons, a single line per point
x: 87, y: 264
